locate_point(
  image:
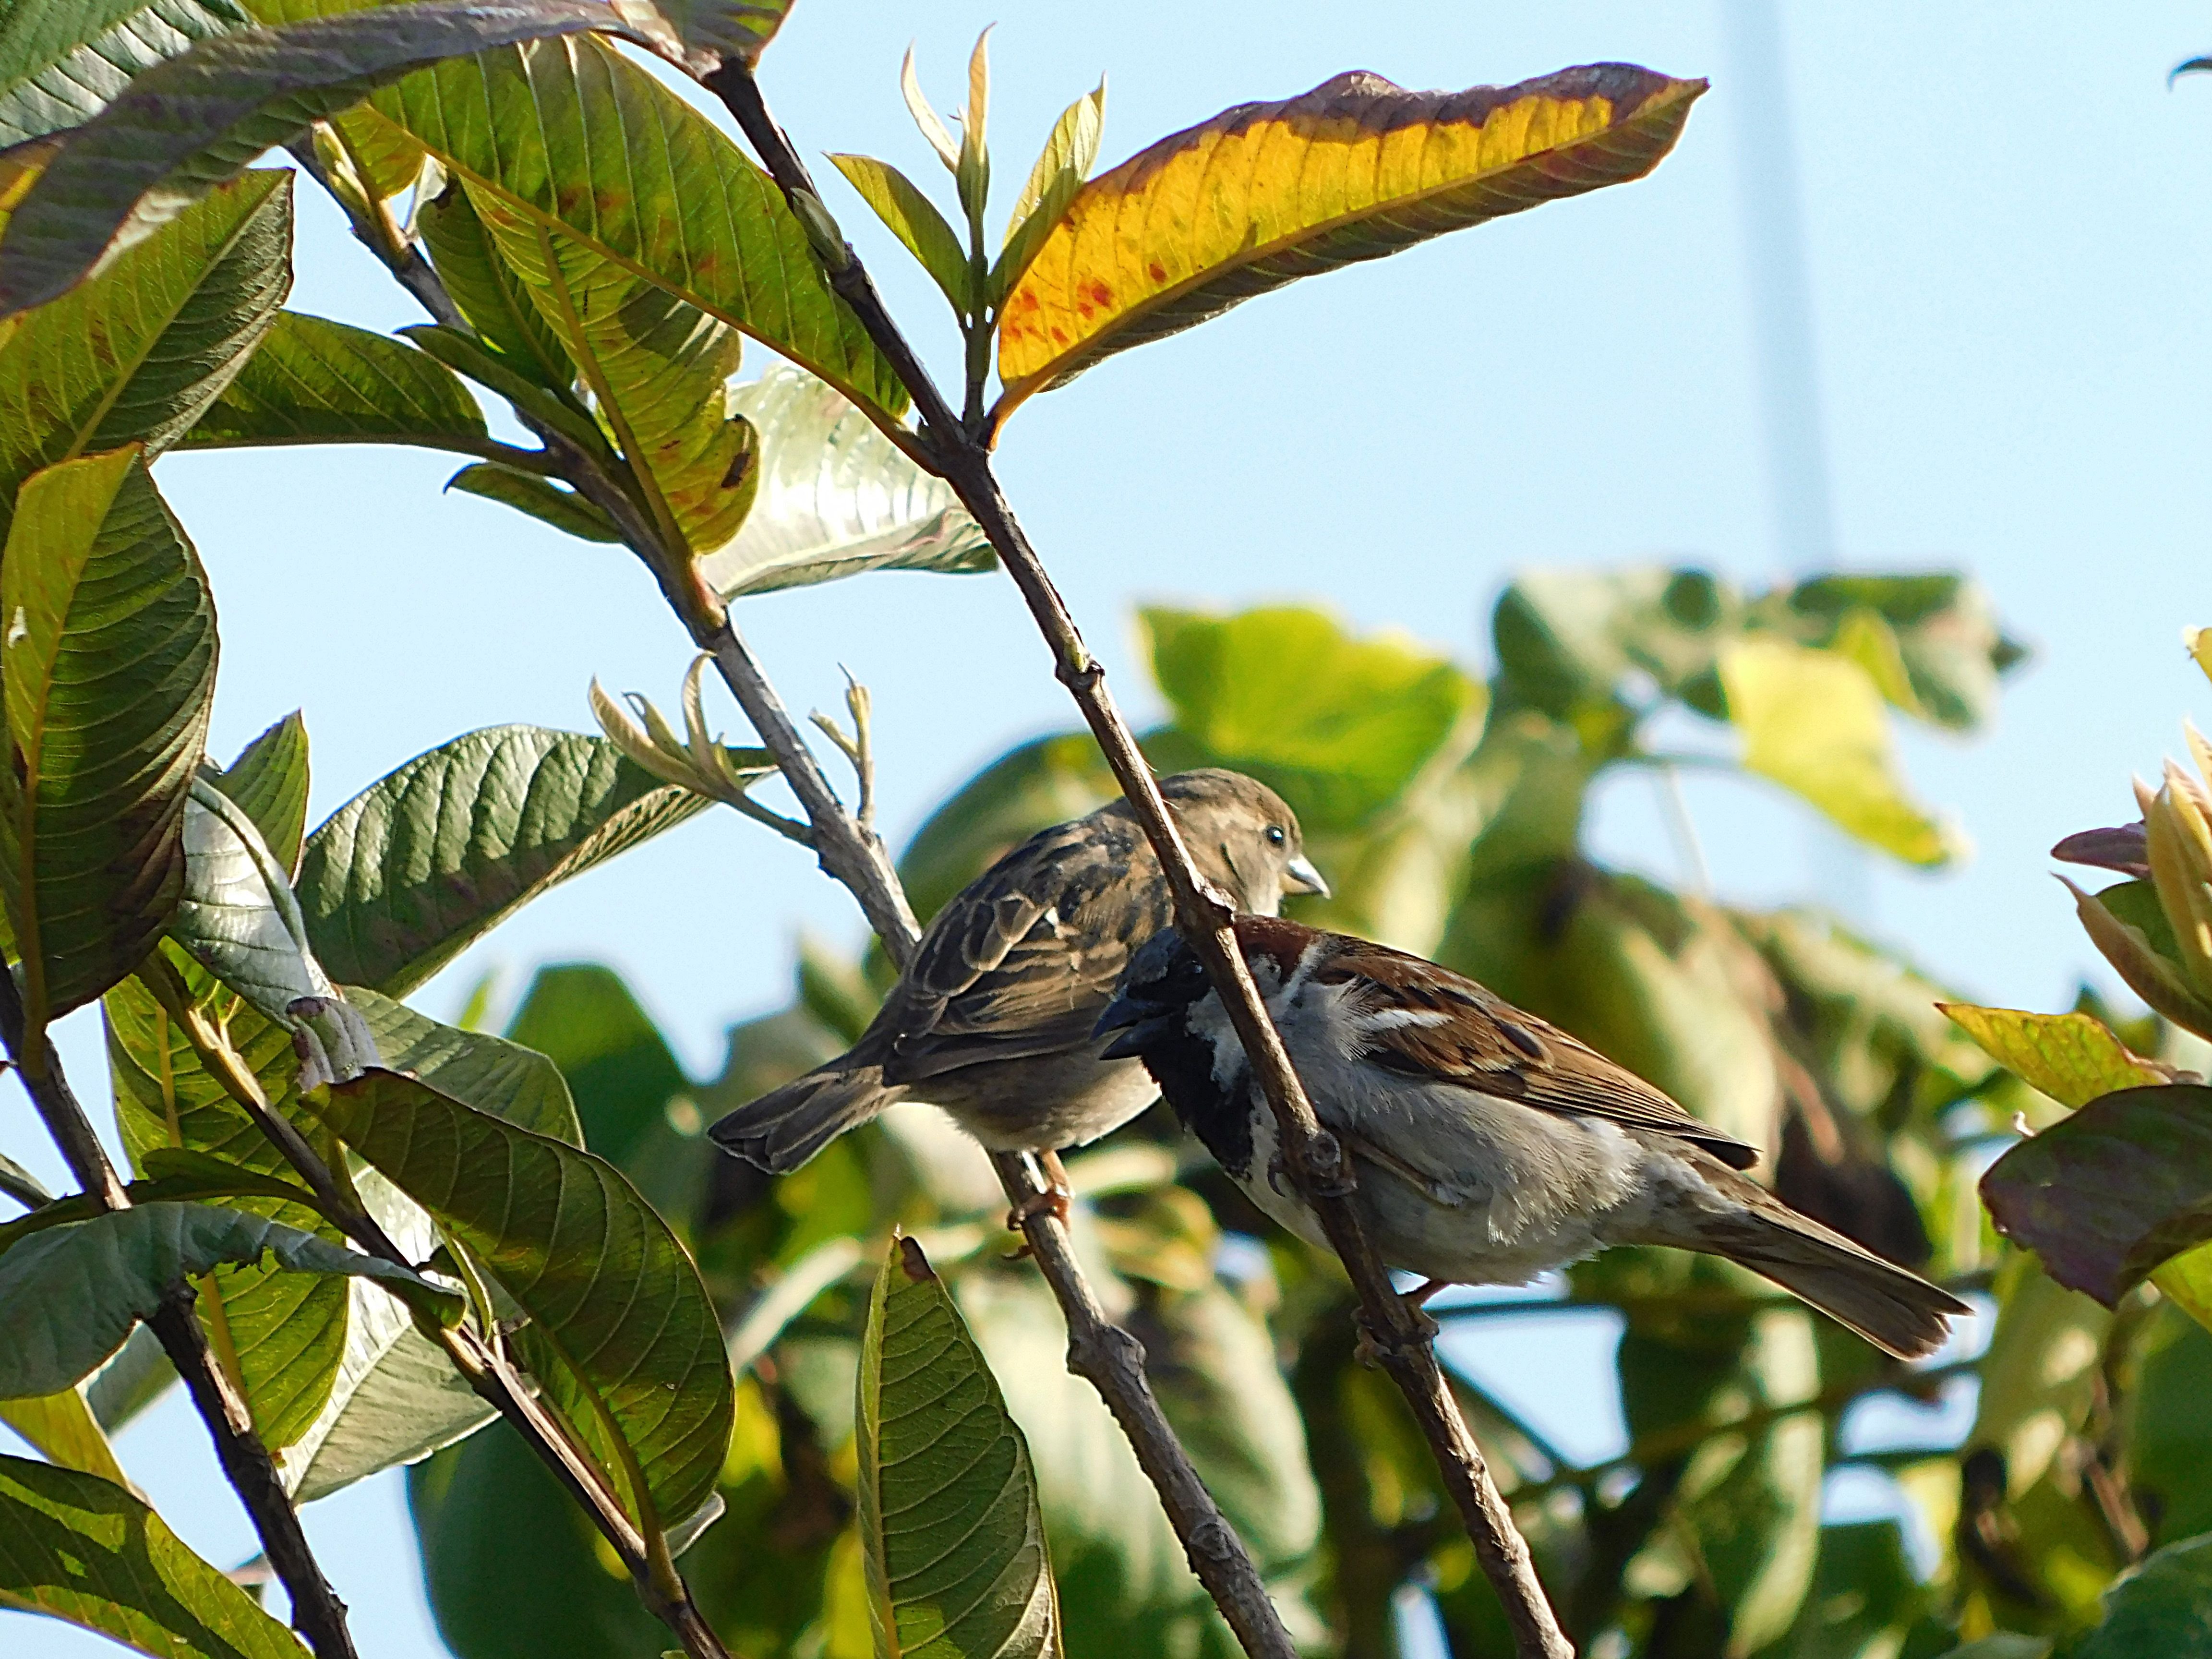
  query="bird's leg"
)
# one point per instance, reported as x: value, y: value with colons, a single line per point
x: 1370, y: 1347
x: 1056, y: 1198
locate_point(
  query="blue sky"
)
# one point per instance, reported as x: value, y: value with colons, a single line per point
x: 2007, y: 238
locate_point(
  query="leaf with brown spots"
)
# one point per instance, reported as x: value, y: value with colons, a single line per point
x: 1265, y: 193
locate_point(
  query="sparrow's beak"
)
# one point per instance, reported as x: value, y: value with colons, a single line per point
x: 1304, y: 879
x: 1137, y: 1021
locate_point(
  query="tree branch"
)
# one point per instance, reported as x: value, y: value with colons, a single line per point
x: 317, y: 1612
x: 851, y: 852
x: 1401, y: 1337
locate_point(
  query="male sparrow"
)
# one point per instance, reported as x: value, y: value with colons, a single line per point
x: 992, y: 1019
x: 1486, y: 1145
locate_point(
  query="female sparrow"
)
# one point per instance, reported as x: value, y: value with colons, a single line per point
x: 1487, y: 1145
x: 993, y: 1018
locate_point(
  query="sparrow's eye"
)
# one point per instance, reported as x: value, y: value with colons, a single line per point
x: 1276, y: 835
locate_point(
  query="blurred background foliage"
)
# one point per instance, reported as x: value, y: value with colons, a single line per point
x: 2049, y: 1447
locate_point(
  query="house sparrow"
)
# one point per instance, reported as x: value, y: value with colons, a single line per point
x: 992, y: 1020
x: 1487, y: 1145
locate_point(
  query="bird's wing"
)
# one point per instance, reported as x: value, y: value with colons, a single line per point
x: 1439, y: 1026
x: 1022, y: 961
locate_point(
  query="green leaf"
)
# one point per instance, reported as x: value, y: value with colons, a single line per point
x: 490, y: 295
x: 1355, y: 169
x: 589, y: 1025
x: 76, y: 1547
x: 314, y: 382
x: 2128, y: 927
x: 70, y: 1295
x: 2163, y: 1607
x: 1567, y: 640
x: 490, y: 1073
x: 670, y: 197
x: 657, y: 368
x: 192, y: 123
x: 136, y: 355
x: 108, y: 666
x: 2073, y: 1058
x: 914, y: 220
x: 605, y: 1283
x: 541, y: 498
x: 405, y: 876
x: 1043, y: 782
x: 2107, y: 1194
x: 497, y: 373
x: 1814, y: 722
x: 2041, y: 1375
x: 2169, y: 1434
x: 836, y: 498
x: 512, y: 1565
x: 1061, y: 167
x: 238, y: 916
x: 949, y: 1515
x: 1947, y: 640
x: 61, y: 1426
x: 60, y: 62
x: 394, y: 1397
x: 269, y: 779
x: 286, y: 1330
x: 1339, y: 726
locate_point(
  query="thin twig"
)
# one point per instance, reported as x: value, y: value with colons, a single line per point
x: 317, y: 1612
x: 851, y: 852
x: 1401, y: 1337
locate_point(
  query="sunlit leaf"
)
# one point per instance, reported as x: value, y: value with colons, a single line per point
x: 136, y: 355
x: 61, y: 1426
x: 948, y: 1505
x: 488, y: 292
x: 1341, y: 725
x: 79, y: 1548
x: 915, y: 221
x: 836, y: 498
x: 2107, y: 1194
x: 1265, y: 193
x: 192, y: 122
x: 490, y: 1073
x: 1060, y: 170
x: 108, y: 665
x: 60, y: 62
x: 2073, y: 1058
x: 1567, y: 639
x: 671, y: 198
x: 70, y: 1295
x: 605, y: 1284
x: 314, y: 382
x: 269, y: 779
x: 1946, y: 638
x: 2125, y: 923
x: 1814, y: 722
x: 402, y: 877
x: 656, y: 367
x: 238, y: 916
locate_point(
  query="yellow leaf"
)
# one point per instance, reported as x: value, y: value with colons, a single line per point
x: 2070, y: 1057
x: 2187, y: 1280
x: 62, y: 1427
x: 1814, y: 722
x: 1265, y: 193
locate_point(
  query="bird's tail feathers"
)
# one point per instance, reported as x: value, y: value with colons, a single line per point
x: 786, y: 1127
x: 1896, y: 1309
